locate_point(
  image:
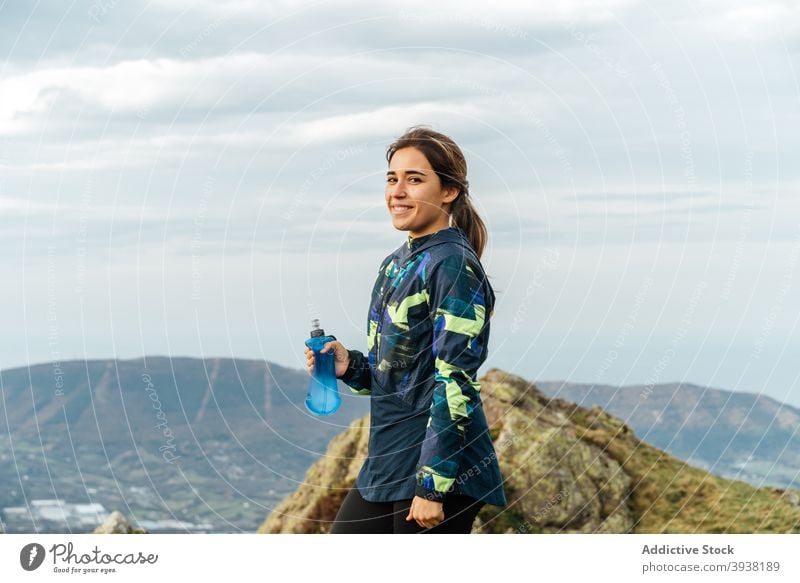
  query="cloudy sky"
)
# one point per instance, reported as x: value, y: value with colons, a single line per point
x: 202, y: 178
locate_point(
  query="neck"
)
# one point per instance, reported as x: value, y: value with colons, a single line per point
x: 429, y: 230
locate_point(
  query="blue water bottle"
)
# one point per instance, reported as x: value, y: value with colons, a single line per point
x: 323, y: 392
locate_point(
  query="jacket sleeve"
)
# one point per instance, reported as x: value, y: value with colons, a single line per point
x: 458, y: 308
x: 358, y: 375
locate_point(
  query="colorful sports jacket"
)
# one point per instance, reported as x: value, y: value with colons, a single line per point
x: 427, y: 335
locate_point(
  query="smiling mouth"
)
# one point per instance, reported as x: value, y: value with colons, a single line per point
x: 400, y: 209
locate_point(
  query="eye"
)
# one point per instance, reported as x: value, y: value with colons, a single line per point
x: 391, y: 179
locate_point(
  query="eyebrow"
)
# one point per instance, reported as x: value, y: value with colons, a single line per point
x: 390, y: 172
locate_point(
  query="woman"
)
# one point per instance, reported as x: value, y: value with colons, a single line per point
x: 431, y: 464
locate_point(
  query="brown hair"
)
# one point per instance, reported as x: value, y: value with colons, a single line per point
x: 447, y: 160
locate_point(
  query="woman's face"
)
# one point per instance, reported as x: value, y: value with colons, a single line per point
x: 414, y: 195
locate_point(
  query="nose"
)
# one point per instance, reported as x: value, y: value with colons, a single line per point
x: 397, y: 190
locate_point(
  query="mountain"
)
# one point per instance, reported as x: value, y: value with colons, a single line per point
x: 215, y: 444
x: 123, y: 401
x: 177, y: 444
x: 568, y: 469
x: 744, y: 436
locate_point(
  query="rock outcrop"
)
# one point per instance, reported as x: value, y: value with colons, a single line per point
x: 567, y: 469
x: 116, y: 523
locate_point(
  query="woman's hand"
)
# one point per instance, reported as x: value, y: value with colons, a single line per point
x: 340, y: 357
x: 427, y: 513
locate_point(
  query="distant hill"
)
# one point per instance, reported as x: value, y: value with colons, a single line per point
x: 214, y: 440
x: 194, y: 445
x: 567, y: 469
x: 120, y: 400
x: 745, y: 436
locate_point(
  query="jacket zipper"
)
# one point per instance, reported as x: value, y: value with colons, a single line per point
x: 384, y: 301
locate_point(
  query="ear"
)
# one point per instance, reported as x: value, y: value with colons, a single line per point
x: 451, y: 194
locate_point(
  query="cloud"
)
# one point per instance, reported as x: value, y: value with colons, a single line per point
x: 755, y: 20
x: 533, y: 12
x: 17, y: 207
x: 645, y: 196
x: 166, y: 90
x: 687, y: 211
x: 378, y: 123
x: 132, y: 86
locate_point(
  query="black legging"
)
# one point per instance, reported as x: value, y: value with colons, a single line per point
x: 359, y: 516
